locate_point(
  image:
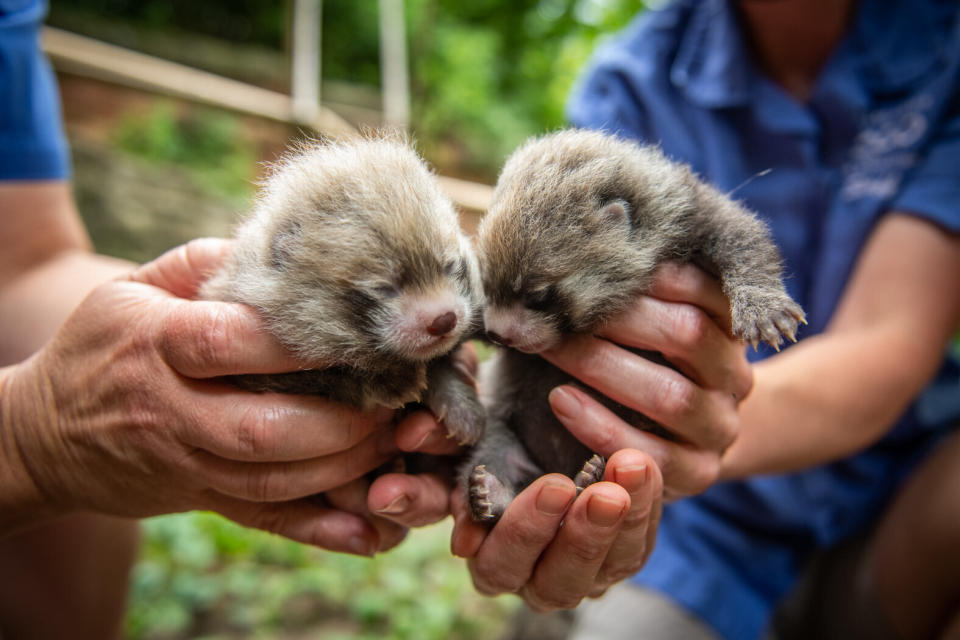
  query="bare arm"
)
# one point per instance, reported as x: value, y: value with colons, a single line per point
x: 46, y: 268
x: 838, y: 392
x: 46, y: 264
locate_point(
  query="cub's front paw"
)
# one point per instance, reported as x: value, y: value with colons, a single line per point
x: 462, y: 415
x: 454, y: 401
x: 763, y: 316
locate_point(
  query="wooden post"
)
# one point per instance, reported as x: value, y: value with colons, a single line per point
x: 305, y: 81
x: 394, y: 81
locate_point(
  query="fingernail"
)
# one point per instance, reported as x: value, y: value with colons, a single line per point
x: 631, y: 477
x: 399, y: 504
x: 422, y: 441
x: 604, y: 512
x: 565, y: 403
x: 554, y: 498
x: 361, y: 546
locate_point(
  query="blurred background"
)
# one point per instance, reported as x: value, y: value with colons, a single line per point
x: 164, y: 153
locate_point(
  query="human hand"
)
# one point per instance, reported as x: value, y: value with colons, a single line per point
x: 607, y: 534
x: 123, y: 413
x: 686, y: 318
x: 414, y: 500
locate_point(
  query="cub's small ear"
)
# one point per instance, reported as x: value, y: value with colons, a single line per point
x: 281, y: 249
x: 616, y: 213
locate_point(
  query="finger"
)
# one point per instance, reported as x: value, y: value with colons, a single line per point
x: 183, y: 269
x: 281, y: 481
x: 209, y: 339
x: 269, y: 427
x: 686, y: 469
x: 421, y: 432
x: 410, y: 500
x: 679, y: 282
x: 467, y: 536
x: 305, y: 521
x: 467, y: 362
x: 639, y: 475
x: 703, y: 417
x: 352, y: 497
x: 568, y: 568
x: 688, y: 338
x: 510, y: 551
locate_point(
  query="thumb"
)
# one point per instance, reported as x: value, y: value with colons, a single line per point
x: 181, y: 270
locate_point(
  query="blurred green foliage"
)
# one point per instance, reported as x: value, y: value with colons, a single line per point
x: 206, y: 142
x: 203, y: 576
x: 484, y: 74
x: 261, y: 22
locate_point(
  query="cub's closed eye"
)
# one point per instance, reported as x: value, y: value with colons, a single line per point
x: 451, y: 267
x: 539, y: 300
x: 386, y: 291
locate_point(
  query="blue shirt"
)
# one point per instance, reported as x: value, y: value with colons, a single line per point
x: 880, y: 133
x: 32, y: 143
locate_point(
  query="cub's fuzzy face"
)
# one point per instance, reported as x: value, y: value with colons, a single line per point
x: 354, y: 255
x: 410, y: 296
x: 559, y: 248
x: 558, y: 279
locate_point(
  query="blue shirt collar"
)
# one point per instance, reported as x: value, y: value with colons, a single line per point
x: 713, y: 64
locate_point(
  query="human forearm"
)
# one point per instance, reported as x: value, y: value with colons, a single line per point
x: 40, y: 298
x: 824, y: 399
x: 21, y: 503
x: 46, y: 264
x: 838, y: 392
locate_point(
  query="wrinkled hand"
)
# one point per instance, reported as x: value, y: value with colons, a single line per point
x: 607, y: 534
x: 414, y: 500
x: 686, y: 318
x: 123, y: 413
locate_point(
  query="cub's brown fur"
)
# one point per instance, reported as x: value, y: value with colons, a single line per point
x: 579, y: 223
x: 355, y: 259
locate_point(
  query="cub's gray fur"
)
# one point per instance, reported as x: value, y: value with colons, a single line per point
x: 579, y: 223
x: 355, y: 259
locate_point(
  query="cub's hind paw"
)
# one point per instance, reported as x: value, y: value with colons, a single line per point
x: 487, y: 496
x: 767, y: 318
x: 591, y: 472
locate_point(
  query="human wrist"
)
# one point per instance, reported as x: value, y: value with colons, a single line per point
x: 22, y: 502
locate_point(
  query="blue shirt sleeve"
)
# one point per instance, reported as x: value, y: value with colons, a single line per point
x: 932, y: 189
x: 32, y: 142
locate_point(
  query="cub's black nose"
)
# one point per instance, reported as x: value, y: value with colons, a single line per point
x: 443, y: 324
